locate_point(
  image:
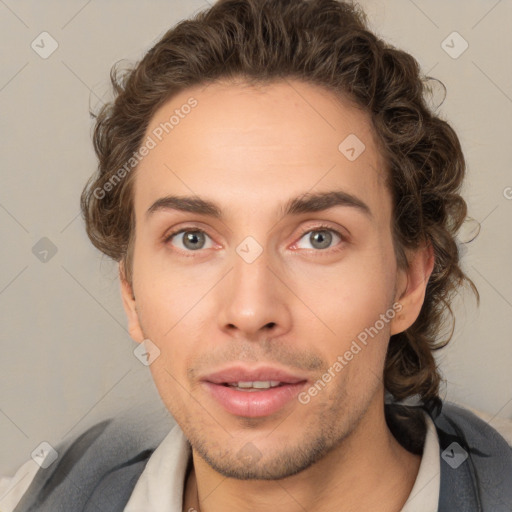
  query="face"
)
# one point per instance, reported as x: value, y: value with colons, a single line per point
x: 269, y: 274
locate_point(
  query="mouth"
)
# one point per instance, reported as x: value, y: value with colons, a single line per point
x: 253, y: 393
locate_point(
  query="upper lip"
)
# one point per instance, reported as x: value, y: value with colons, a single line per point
x: 240, y: 373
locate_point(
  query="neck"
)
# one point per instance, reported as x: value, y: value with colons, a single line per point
x: 350, y: 477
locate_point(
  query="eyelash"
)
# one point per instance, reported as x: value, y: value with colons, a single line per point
x: 321, y: 227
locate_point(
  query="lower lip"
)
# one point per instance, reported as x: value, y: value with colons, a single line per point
x: 254, y: 404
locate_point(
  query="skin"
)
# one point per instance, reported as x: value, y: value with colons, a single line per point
x: 296, y: 306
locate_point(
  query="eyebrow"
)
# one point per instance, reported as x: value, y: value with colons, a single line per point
x: 305, y: 203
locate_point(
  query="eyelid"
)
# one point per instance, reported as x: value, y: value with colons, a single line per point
x: 173, y: 231
x: 323, y: 226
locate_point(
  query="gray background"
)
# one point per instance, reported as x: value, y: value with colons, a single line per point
x: 67, y: 359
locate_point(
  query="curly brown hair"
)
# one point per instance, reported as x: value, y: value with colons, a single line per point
x: 322, y: 42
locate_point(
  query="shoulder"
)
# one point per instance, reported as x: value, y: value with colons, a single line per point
x: 478, y: 424
x: 122, y: 443
x: 476, y: 461
x: 116, y: 439
x: 502, y: 425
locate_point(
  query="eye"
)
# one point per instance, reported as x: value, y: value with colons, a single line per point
x: 320, y: 238
x: 189, y: 240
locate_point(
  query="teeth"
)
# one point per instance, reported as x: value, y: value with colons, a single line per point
x: 258, y: 384
x: 244, y: 385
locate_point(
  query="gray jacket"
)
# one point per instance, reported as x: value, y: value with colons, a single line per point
x: 98, y: 470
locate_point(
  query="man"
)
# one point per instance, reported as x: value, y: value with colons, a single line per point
x: 283, y: 206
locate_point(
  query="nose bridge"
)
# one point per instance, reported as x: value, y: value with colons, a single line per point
x: 253, y: 299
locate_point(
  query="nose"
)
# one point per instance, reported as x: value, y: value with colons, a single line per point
x: 253, y: 301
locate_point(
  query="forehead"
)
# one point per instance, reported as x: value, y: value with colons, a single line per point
x: 253, y: 146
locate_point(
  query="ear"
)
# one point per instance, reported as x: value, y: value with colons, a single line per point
x: 411, y: 287
x: 130, y: 306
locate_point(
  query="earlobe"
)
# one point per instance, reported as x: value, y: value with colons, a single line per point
x: 411, y: 295
x: 129, y: 305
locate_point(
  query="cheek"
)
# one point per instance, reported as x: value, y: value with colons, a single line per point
x: 167, y: 292
x: 172, y: 304
x: 351, y: 295
x: 171, y: 386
